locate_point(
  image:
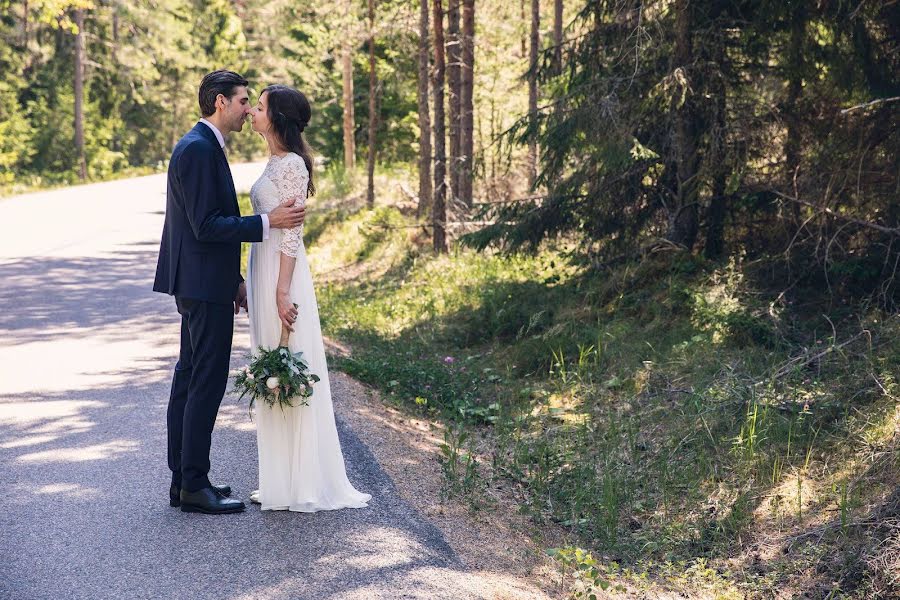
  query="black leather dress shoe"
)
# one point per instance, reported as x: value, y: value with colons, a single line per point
x: 175, y: 493
x: 209, y: 502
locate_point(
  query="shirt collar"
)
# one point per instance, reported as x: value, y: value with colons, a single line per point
x: 216, y: 131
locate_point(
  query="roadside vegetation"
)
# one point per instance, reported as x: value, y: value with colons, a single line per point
x: 689, y: 424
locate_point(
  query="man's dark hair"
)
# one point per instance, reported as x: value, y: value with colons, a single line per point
x: 215, y: 83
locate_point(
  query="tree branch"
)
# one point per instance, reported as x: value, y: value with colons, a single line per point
x: 830, y: 212
x: 868, y: 104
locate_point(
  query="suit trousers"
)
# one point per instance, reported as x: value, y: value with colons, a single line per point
x: 198, y: 385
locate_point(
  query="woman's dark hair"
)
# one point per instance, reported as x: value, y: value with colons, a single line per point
x: 215, y: 83
x: 289, y: 112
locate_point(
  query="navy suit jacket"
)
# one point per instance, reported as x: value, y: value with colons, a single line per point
x: 200, y: 251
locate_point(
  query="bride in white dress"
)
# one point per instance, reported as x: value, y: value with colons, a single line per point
x: 301, y: 466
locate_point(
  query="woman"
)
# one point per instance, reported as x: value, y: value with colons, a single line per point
x: 301, y: 467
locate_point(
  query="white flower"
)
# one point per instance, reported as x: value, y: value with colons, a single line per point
x: 303, y: 389
x: 250, y: 376
x: 272, y: 383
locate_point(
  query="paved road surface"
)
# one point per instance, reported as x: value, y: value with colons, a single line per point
x: 86, y: 352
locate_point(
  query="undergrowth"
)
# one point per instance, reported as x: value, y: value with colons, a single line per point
x: 689, y: 426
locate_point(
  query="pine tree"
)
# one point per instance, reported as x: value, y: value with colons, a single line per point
x: 347, y: 80
x: 534, y: 48
x: 78, y: 87
x: 454, y: 56
x: 557, y: 34
x: 425, y: 194
x: 439, y: 211
x: 682, y: 210
x: 466, y: 99
x: 373, y: 114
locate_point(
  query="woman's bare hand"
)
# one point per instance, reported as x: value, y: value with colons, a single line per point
x: 287, y: 310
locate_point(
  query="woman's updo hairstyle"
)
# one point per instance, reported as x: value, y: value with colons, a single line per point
x: 289, y: 112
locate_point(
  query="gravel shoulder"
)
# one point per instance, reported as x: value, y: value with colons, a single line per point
x: 494, y: 543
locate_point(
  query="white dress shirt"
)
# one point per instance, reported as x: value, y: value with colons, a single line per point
x: 221, y: 139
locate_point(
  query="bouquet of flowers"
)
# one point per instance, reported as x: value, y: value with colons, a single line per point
x: 276, y: 376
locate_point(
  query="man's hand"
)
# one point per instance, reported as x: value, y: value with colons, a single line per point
x: 287, y: 310
x: 287, y: 215
x: 240, y: 300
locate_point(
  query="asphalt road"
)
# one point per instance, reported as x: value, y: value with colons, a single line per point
x: 86, y: 354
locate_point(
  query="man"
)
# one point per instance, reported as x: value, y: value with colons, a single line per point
x: 199, y: 264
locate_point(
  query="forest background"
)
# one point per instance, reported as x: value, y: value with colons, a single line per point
x: 640, y: 257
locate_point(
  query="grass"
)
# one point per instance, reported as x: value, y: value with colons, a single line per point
x: 686, y: 428
x: 246, y: 210
x: 34, y: 183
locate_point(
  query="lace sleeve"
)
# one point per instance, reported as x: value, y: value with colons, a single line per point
x: 292, y: 180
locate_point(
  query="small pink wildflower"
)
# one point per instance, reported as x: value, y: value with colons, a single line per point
x: 449, y: 360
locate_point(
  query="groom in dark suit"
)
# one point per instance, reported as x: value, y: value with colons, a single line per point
x: 199, y: 264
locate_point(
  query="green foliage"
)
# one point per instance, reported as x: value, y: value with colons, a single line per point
x: 144, y: 63
x: 462, y: 478
x: 395, y: 55
x: 656, y: 411
x: 590, y: 577
x: 753, y: 121
x: 140, y: 83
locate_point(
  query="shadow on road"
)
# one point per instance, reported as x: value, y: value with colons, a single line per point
x: 84, y: 464
x: 79, y: 295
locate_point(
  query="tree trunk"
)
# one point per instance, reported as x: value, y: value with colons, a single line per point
x: 439, y: 216
x: 25, y: 24
x: 683, y: 212
x: 533, y: 91
x: 173, y: 129
x: 425, y: 198
x: 116, y: 141
x: 373, y: 115
x: 557, y: 35
x: 349, y: 125
x: 467, y: 91
x: 453, y: 82
x: 115, y: 33
x: 879, y: 79
x: 494, y: 136
x: 79, y: 94
x: 524, y: 49
x: 792, y: 116
x: 715, y: 215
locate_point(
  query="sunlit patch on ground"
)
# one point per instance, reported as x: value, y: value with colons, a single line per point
x: 103, y: 451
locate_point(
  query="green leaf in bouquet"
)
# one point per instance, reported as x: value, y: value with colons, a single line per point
x: 295, y: 380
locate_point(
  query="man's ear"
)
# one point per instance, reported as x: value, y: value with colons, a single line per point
x: 224, y: 104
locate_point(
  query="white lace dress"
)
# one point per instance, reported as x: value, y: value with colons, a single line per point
x: 301, y: 466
